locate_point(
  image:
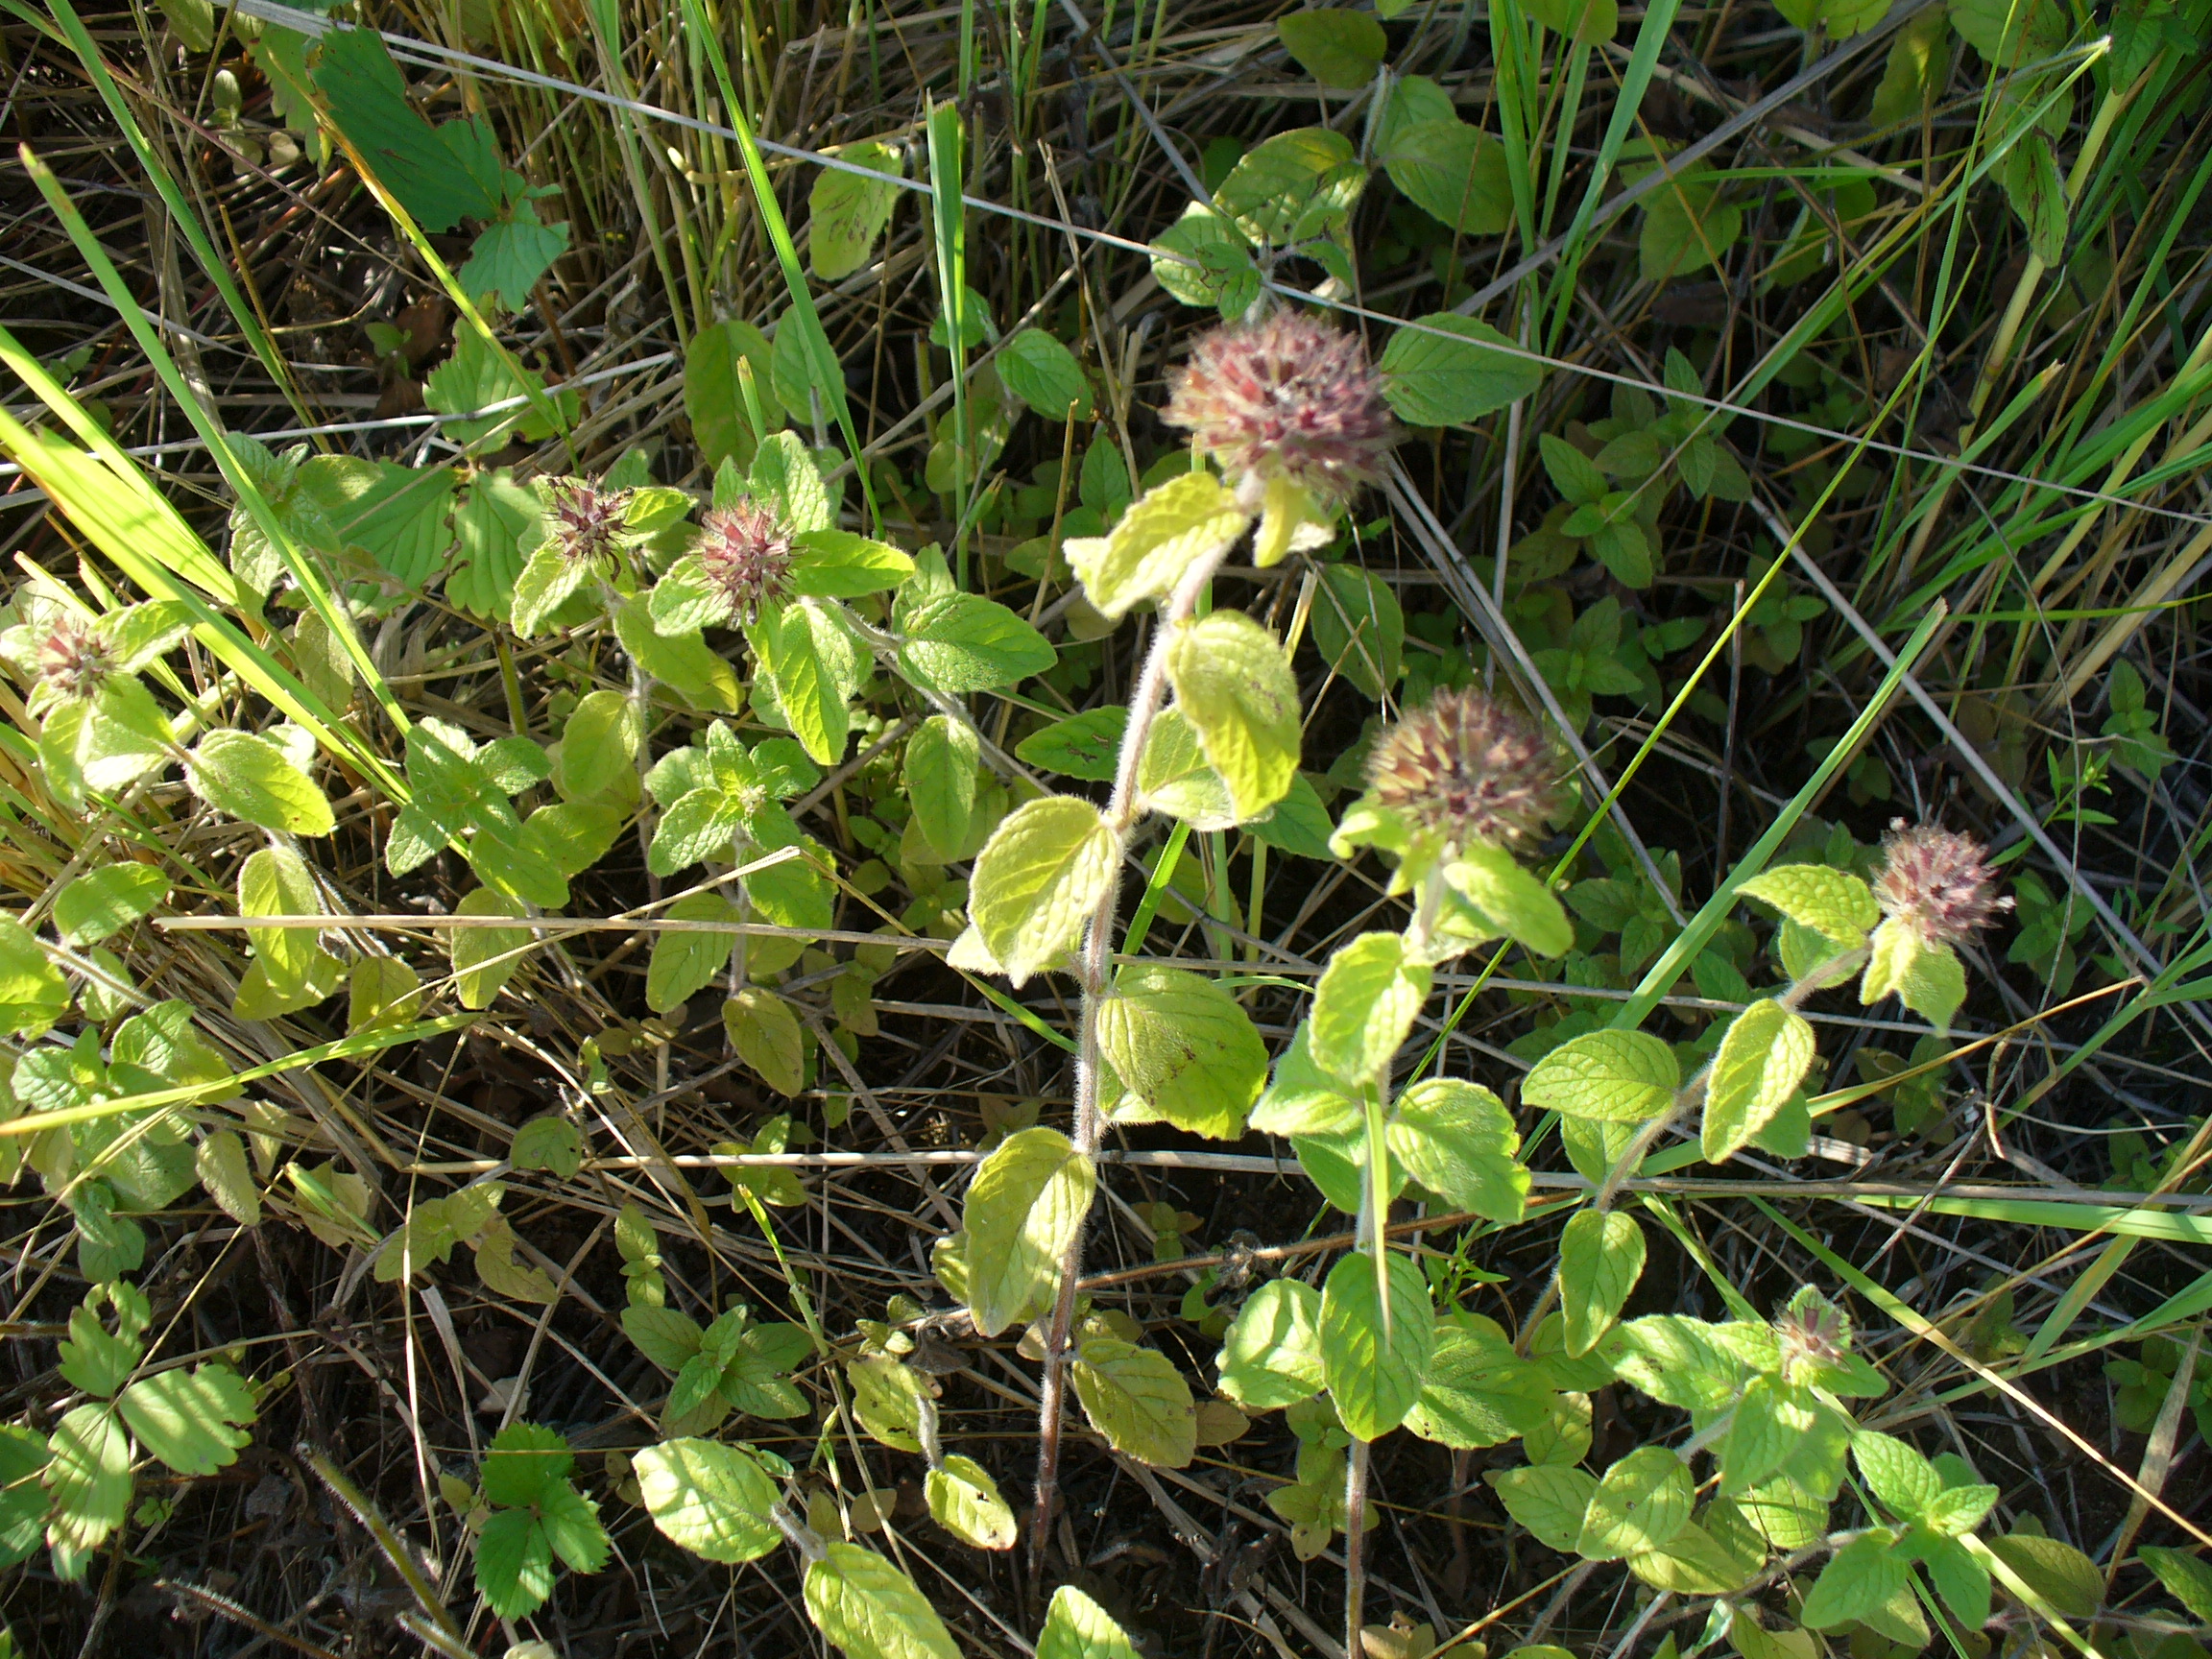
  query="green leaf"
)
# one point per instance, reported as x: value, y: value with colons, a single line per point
x: 1859, y: 1578
x: 23, y: 1459
x: 1681, y: 1363
x: 1298, y: 823
x: 1549, y: 1499
x: 599, y: 748
x: 275, y: 882
x: 1043, y: 374
x: 847, y: 211
x: 684, y: 663
x: 711, y: 397
x: 440, y: 175
x: 1304, y: 1100
x: 1359, y: 628
x: 1897, y: 1474
x: 1927, y: 978
x: 1476, y: 1391
x: 1202, y: 259
x: 510, y: 256
x: 571, y: 1523
x: 478, y: 968
x: 1456, y: 174
x: 815, y: 666
x: 1271, y: 1354
x: 2062, y: 1574
x: 1182, y: 1045
x: 1772, y: 1419
x: 765, y: 1033
x: 888, y: 1398
x: 489, y: 520
x: 1234, y: 684
x: 685, y: 963
x: 1293, y: 187
x: 960, y: 643
x: 1174, y: 777
x: 514, y: 1564
x: 940, y: 777
x: 1339, y: 48
x: 1615, y: 1077
x: 1365, y: 1005
x: 2012, y: 32
x: 1457, y: 1139
x: 2187, y: 1579
x: 1687, y: 225
x: 837, y: 565
x: 1591, y: 22
x: 1190, y: 517
x: 88, y: 1474
x: 32, y: 993
x: 1375, y: 1375
x: 248, y: 776
x: 1022, y: 1210
x: 220, y: 1165
x: 106, y: 900
x: 1077, y: 1627
x: 525, y: 1462
x: 1138, y: 1400
x: 95, y: 1359
x: 193, y: 1421
x: 1513, y: 901
x: 1764, y: 1055
x: 1037, y: 881
x: 869, y: 1609
x: 1640, y: 1504
x: 1834, y: 903
x: 550, y: 1142
x: 666, y: 1336
x: 1086, y: 746
x: 1435, y: 381
x: 1601, y: 1259
x: 964, y: 1500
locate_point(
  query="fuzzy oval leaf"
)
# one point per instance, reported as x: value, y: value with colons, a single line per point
x: 1764, y: 1055
x: 870, y: 1609
x: 1038, y: 879
x: 1640, y: 1504
x: 1339, y: 48
x: 552, y: 1143
x: 1601, y: 1259
x: 1190, y: 517
x: 248, y: 776
x: 1613, y: 1076
x: 1458, y: 1141
x: 765, y: 1033
x: 940, y: 777
x: 711, y: 1499
x: 1182, y: 1045
x: 1549, y: 1499
x: 1515, y: 901
x: 1138, y: 1400
x: 888, y: 1398
x: 1477, y: 1392
x: 1044, y: 374
x: 486, y: 958
x: 1375, y: 1375
x: 961, y: 643
x: 1023, y: 1209
x: 845, y: 211
x: 1830, y: 902
x: 1360, y: 628
x: 1293, y: 187
x: 1235, y: 685
x: 1271, y: 1354
x: 1365, y: 1005
x: 1077, y: 1627
x: 964, y: 1500
x: 1454, y: 173
x: 106, y: 900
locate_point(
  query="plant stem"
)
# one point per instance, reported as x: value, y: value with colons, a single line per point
x: 1355, y: 1534
x: 1124, y: 809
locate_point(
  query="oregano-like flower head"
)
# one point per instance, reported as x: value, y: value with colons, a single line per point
x: 71, y: 658
x: 1466, y: 769
x: 1938, y: 883
x: 1289, y: 397
x: 745, y: 555
x: 583, y: 520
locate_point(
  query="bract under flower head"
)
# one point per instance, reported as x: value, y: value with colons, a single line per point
x: 1938, y: 883
x: 745, y: 556
x: 1465, y: 770
x: 1290, y: 398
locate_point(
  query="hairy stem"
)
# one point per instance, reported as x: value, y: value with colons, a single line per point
x: 1124, y: 809
x: 1355, y: 1534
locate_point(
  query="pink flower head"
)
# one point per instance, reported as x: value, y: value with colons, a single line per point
x: 1812, y: 1330
x: 584, y: 521
x: 72, y: 658
x: 1937, y: 883
x: 1289, y: 397
x: 1466, y: 769
x: 745, y: 556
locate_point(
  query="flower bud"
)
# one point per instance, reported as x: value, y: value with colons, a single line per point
x: 1466, y: 769
x: 72, y: 658
x: 1937, y: 883
x: 1289, y: 397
